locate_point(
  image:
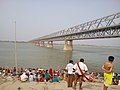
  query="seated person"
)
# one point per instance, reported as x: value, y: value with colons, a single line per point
x: 55, y: 78
x: 24, y: 77
x: 31, y: 77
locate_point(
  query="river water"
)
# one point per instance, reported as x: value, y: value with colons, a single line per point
x: 29, y: 55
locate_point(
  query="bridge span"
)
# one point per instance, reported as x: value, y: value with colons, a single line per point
x: 105, y: 27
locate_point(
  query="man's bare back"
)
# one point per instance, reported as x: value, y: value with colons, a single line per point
x: 107, y: 67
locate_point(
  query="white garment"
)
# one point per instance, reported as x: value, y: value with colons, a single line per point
x: 119, y: 82
x: 24, y: 77
x: 69, y: 67
x: 82, y: 66
x: 31, y: 77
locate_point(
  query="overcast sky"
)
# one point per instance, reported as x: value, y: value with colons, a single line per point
x: 36, y: 18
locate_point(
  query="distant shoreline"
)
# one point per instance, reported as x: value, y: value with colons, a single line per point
x: 16, y: 41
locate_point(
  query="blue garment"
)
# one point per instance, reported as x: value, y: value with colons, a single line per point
x: 46, y: 75
x: 55, y: 78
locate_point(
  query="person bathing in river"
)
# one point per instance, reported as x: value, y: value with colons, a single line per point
x: 107, y: 68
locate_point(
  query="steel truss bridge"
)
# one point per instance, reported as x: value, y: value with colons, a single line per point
x: 105, y: 27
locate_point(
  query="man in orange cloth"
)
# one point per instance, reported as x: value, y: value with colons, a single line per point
x: 91, y: 76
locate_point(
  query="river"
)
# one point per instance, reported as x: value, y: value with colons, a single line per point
x: 29, y: 55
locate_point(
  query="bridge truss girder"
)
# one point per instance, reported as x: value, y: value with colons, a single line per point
x: 106, y: 27
x: 108, y: 32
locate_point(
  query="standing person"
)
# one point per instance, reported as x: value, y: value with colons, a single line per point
x: 78, y: 74
x: 70, y: 72
x: 108, y: 69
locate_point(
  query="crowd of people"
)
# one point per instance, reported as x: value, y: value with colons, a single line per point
x: 73, y: 73
x: 34, y: 74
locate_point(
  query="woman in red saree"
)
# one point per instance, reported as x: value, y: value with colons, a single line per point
x: 50, y: 73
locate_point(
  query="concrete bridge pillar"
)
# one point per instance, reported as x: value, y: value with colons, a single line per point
x: 37, y: 43
x: 42, y: 43
x: 50, y: 44
x: 68, y: 45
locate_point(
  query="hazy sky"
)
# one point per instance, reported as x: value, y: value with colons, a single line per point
x: 36, y: 18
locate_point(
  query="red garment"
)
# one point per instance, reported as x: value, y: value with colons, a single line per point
x: 50, y: 73
x: 41, y: 79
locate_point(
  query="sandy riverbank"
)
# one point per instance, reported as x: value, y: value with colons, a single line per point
x: 8, y: 83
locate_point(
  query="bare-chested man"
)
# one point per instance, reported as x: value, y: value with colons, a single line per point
x: 107, y: 69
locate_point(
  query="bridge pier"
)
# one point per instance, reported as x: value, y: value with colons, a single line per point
x: 68, y: 45
x: 37, y: 43
x: 42, y: 43
x: 50, y: 44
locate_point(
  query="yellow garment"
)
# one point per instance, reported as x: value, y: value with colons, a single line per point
x: 108, y: 78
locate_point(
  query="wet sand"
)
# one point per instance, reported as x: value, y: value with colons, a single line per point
x: 11, y: 83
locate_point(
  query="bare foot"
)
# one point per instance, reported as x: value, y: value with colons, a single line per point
x: 80, y: 88
x: 74, y: 88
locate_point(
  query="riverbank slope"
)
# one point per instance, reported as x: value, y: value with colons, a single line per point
x: 11, y: 83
